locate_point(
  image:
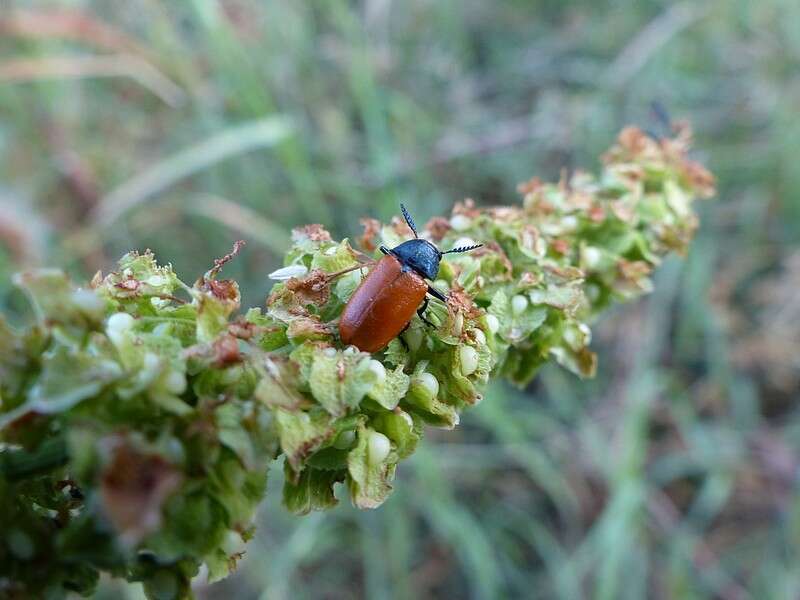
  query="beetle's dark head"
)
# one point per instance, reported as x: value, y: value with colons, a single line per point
x: 421, y: 255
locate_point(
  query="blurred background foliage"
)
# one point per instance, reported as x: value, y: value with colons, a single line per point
x: 184, y: 125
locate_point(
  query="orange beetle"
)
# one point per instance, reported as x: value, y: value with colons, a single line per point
x: 382, y: 306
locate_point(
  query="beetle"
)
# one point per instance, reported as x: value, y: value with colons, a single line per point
x: 384, y: 303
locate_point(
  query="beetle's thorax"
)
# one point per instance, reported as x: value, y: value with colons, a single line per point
x: 420, y: 256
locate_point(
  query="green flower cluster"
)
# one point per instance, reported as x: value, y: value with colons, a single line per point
x: 139, y: 415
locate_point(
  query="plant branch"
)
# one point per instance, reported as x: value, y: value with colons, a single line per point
x: 165, y: 415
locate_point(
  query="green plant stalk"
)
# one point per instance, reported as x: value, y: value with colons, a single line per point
x: 139, y: 415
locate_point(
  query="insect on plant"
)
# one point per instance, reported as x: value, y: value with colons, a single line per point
x: 383, y: 305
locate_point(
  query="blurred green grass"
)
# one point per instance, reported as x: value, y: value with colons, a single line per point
x: 673, y: 474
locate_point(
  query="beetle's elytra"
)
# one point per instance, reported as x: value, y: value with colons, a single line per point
x: 385, y: 302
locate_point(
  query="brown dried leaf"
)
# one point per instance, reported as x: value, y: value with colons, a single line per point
x: 314, y: 288
x: 133, y: 489
x: 314, y: 232
x: 372, y: 228
x: 438, y: 228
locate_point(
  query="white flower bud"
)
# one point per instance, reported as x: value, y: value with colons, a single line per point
x: 378, y: 447
x: 379, y: 370
x: 175, y: 382
x: 233, y: 543
x: 288, y: 272
x: 591, y: 256
x: 156, y: 280
x: 118, y: 326
x: 469, y: 359
x: 587, y: 333
x: 518, y: 304
x: 406, y: 417
x: 572, y: 337
x: 458, y: 324
x: 493, y: 323
x: 87, y: 301
x: 460, y: 222
x: 464, y: 241
x: 152, y: 364
x: 569, y: 223
x: 480, y: 337
x: 414, y: 338
x: 430, y: 383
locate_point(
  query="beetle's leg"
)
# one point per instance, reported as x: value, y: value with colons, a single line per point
x: 385, y: 250
x: 421, y: 313
x: 436, y: 294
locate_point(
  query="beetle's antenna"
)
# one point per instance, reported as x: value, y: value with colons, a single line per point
x: 409, y: 220
x: 463, y: 249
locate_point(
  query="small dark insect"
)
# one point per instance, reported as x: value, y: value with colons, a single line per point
x: 383, y: 305
x: 663, y: 127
